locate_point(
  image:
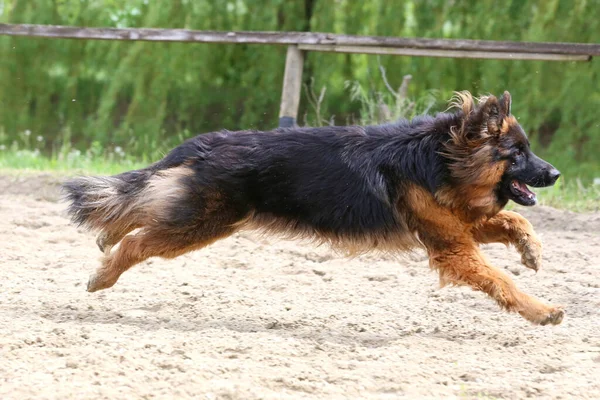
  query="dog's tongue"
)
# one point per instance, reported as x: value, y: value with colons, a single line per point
x: 523, y: 188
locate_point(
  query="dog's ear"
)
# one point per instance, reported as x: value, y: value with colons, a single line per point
x: 492, y: 115
x: 505, y: 103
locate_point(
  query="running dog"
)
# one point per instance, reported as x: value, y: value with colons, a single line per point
x: 439, y: 183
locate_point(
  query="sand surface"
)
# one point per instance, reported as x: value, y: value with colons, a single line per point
x: 255, y: 318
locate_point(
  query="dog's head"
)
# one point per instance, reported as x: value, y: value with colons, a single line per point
x: 490, y: 156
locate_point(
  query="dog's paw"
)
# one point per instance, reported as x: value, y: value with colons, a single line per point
x: 99, y: 281
x: 554, y: 317
x: 544, y: 316
x: 93, y: 283
x: 531, y: 252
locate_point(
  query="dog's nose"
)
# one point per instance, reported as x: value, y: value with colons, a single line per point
x: 553, y: 175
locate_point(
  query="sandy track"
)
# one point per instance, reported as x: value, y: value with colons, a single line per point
x: 253, y: 318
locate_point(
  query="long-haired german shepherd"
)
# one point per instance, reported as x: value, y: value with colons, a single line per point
x: 438, y: 183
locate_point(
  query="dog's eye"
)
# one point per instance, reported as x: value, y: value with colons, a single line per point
x: 519, y: 152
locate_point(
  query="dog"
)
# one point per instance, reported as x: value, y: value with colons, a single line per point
x: 439, y: 183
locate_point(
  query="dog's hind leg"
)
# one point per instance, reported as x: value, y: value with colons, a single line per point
x: 511, y: 228
x: 466, y: 265
x: 151, y: 242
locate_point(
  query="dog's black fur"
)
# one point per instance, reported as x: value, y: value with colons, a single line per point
x: 337, y: 180
x: 340, y: 181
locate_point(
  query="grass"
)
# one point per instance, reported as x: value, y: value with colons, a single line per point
x: 30, y: 161
x: 25, y: 154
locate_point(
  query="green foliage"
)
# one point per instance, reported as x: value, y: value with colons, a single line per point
x: 146, y: 97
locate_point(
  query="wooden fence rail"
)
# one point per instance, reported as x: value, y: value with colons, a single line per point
x: 300, y: 42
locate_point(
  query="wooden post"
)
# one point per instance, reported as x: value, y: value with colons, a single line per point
x: 292, y: 86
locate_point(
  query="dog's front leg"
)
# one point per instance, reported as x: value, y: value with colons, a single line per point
x: 464, y: 264
x: 511, y: 228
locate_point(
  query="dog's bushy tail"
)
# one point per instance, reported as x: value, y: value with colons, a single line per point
x: 98, y: 202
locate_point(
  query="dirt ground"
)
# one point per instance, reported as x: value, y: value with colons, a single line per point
x: 252, y: 318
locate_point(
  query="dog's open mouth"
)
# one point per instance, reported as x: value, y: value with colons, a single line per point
x: 521, y: 193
